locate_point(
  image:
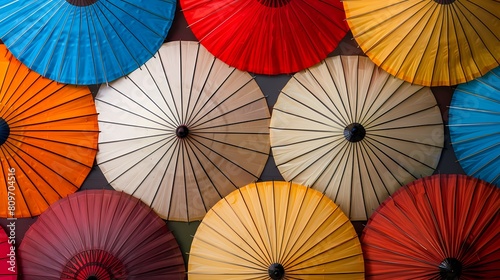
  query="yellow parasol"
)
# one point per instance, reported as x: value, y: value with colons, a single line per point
x: 275, y: 230
x: 428, y: 42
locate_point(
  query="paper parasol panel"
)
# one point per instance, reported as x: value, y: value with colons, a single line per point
x: 474, y: 124
x: 438, y: 227
x: 100, y: 234
x: 183, y: 132
x: 349, y: 129
x: 267, y: 36
x: 85, y: 41
x: 48, y: 139
x: 430, y: 42
x: 275, y: 230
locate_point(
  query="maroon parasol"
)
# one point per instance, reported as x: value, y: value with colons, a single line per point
x: 100, y: 234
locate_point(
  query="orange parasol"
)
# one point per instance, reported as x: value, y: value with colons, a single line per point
x: 48, y: 138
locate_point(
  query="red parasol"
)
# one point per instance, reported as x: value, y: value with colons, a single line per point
x: 100, y: 234
x: 267, y: 36
x: 8, y: 264
x: 438, y: 227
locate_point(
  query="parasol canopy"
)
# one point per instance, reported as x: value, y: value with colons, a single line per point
x: 349, y: 129
x: 275, y: 230
x: 267, y: 36
x: 85, y: 41
x: 428, y: 42
x: 100, y: 234
x: 183, y: 131
x: 48, y: 138
x: 474, y: 125
x: 438, y: 227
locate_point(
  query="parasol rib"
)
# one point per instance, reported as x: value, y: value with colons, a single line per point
x: 159, y: 90
x: 14, y: 113
x: 295, y: 260
x: 99, y: 41
x: 359, y: 164
x: 403, y: 154
x: 421, y: 34
x: 264, y: 253
x: 405, y: 140
x: 365, y: 116
x: 198, y: 124
x: 93, y: 50
x: 195, y: 118
x: 459, y: 15
x: 338, y: 90
x: 373, y: 128
x: 62, y: 14
x: 50, y: 152
x: 369, y: 123
x: 306, y: 152
x: 373, y: 149
x: 336, y: 114
x: 30, y: 27
x: 21, y: 190
x: 190, y: 117
x: 197, y: 181
x: 133, y: 113
x: 206, y: 172
x: 170, y: 121
x: 367, y: 160
x: 371, y: 161
x: 195, y: 122
x: 139, y: 20
x: 224, y: 157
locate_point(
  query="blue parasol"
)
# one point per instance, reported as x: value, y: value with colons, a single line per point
x: 474, y: 124
x: 85, y: 41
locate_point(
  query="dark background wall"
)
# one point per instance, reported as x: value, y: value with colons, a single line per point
x: 271, y: 86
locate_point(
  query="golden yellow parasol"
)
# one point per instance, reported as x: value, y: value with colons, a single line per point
x: 428, y: 42
x: 275, y: 230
